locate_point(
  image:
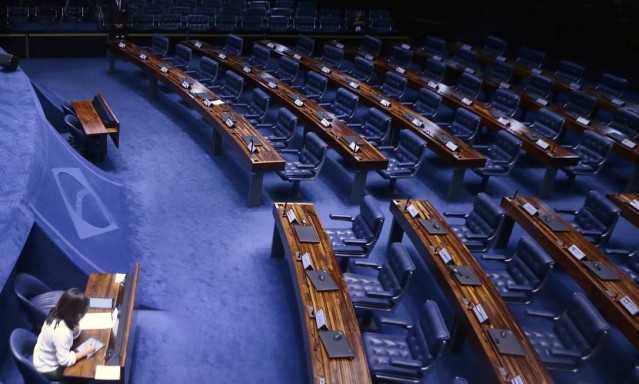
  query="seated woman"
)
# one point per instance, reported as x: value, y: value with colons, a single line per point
x: 52, y: 352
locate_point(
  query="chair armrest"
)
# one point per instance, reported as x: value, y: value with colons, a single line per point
x: 385, y: 147
x: 405, y: 363
x: 442, y: 124
x: 407, y: 103
x: 543, y: 314
x: 393, y: 321
x: 486, y: 147
x: 262, y: 125
x: 290, y: 150
x: 305, y: 166
x: 296, y: 86
x: 617, y: 251
x: 336, y: 216
x: 240, y: 105
x: 473, y: 236
x: 367, y: 264
x: 519, y: 288
x: 565, y: 353
x: 494, y: 257
x: 380, y: 295
x: 456, y: 214
x: 324, y: 104
x: 567, y: 211
x: 526, y: 123
x: 354, y: 241
x: 590, y: 232
x: 355, y: 125
x: 406, y: 163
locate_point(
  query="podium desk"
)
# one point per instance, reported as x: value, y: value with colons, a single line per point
x: 463, y: 298
x: 336, y: 304
x: 105, y: 285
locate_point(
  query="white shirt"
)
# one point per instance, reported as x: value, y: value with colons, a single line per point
x: 53, y: 348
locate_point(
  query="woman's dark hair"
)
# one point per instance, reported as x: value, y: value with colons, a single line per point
x: 70, y: 308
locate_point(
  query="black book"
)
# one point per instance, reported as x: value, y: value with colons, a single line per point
x: 336, y: 344
x: 322, y: 280
x: 506, y: 342
x: 433, y: 226
x: 464, y: 275
x: 248, y: 138
x: 602, y: 271
x: 532, y: 136
x: 306, y: 233
x: 553, y: 223
x: 350, y: 139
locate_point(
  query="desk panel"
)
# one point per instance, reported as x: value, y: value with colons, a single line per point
x: 628, y: 211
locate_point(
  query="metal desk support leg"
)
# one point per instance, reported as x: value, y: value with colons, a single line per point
x: 255, y: 189
x: 357, y: 193
x: 455, y: 183
x: 549, y: 180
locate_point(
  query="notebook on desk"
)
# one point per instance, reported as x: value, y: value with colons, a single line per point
x: 433, y: 226
x: 306, y: 233
x: 350, y: 139
x: 248, y: 138
x: 336, y: 344
x: 227, y: 116
x: 553, y: 223
x: 322, y: 280
x: 464, y: 275
x: 506, y: 342
x: 601, y: 270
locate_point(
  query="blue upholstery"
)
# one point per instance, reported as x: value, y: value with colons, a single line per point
x: 329, y: 23
x: 234, y: 45
x: 524, y: 274
x: 549, y: 124
x: 304, y: 44
x: 225, y: 22
x: 232, y: 87
x: 612, y: 85
x: 21, y: 344
x: 569, y: 72
x: 159, y: 45
x: 370, y: 45
x: 35, y: 297
x: 631, y: 266
x: 307, y: 163
x: 208, y: 73
x: 260, y: 57
x: 499, y: 72
x: 494, y: 45
x: 593, y: 151
x: 428, y: 103
x: 345, y: 104
x: 501, y: 157
x: 581, y: 103
x: 279, y: 23
x: 376, y: 128
x: 287, y: 70
x: 469, y: 85
x: 198, y: 23
x: 434, y: 70
x: 362, y: 69
x: 405, y: 357
x: 252, y: 23
x: 182, y: 57
x: 481, y: 226
x: 332, y: 55
x: 596, y: 219
x: 539, y: 86
x: 405, y: 160
x: 465, y: 125
x: 304, y: 24
x: 505, y: 102
x: 401, y: 57
x: 282, y: 131
x: 574, y: 337
x: 170, y: 22
x: 359, y: 239
x: 434, y: 46
x: 625, y: 121
x: 465, y: 58
x: 256, y: 109
x: 394, y: 85
x: 384, y: 290
x: 315, y: 86
x: 530, y: 58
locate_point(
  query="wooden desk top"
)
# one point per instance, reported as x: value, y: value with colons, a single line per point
x: 605, y: 294
x: 266, y: 159
x: 91, y: 122
x: 464, y: 157
x: 336, y: 304
x: 367, y: 158
x: 104, y: 285
x: 622, y: 200
x: 463, y: 297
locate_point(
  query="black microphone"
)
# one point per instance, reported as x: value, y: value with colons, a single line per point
x: 284, y: 208
x: 515, y: 194
x: 407, y: 204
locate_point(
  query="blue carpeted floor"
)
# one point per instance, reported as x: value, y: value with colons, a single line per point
x: 217, y: 308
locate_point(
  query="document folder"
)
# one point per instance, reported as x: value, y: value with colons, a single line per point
x: 433, y: 226
x: 248, y: 138
x: 227, y: 116
x: 506, y: 342
x: 553, y: 223
x: 602, y: 271
x: 336, y: 344
x: 322, y: 280
x: 464, y: 275
x: 306, y: 233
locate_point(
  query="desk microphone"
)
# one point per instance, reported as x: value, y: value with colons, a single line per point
x: 515, y: 194
x: 407, y: 205
x: 284, y: 208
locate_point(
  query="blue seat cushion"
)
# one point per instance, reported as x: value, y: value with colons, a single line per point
x: 380, y: 348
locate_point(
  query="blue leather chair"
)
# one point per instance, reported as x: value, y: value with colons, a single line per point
x: 287, y: 70
x: 405, y: 357
x: 596, y: 218
x: 345, y: 104
x: 505, y: 103
x: 381, y: 291
x: 434, y: 46
x: 304, y: 44
x: 494, y: 45
x: 576, y: 333
x: 358, y: 240
x: 208, y: 73
x: 581, y: 104
x: 465, y: 125
x: 549, y: 124
x: 197, y: 23
x: 631, y: 264
x: 569, y: 72
x: 405, y: 160
x: 524, y: 273
x: 281, y: 132
x: 481, y: 226
x: 593, y: 151
x: 315, y: 86
x: 307, y: 163
x: 626, y: 122
x: 467, y: 86
x: 182, y: 58
x: 501, y: 156
x: 434, y: 70
x: 393, y: 85
x: 35, y: 297
x: 538, y: 86
x: 21, y: 343
x: 498, y: 72
x: 376, y: 128
x: 159, y: 45
x: 401, y: 57
x: 428, y: 103
x: 362, y: 69
x: 332, y: 55
x: 465, y: 58
x: 234, y: 45
x: 531, y: 58
x: 255, y: 110
x: 260, y: 57
x: 612, y: 85
x: 231, y: 88
x: 370, y: 45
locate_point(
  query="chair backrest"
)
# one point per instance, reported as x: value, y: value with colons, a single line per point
x: 260, y: 56
x: 371, y: 45
x: 410, y: 149
x: 469, y: 84
x: 285, y: 124
x: 369, y: 222
x: 494, y: 45
x: 401, y: 56
x: 304, y: 23
x: 27, y: 286
x: 505, y: 148
x: 581, y: 327
x: 539, y: 86
x: 548, y: 123
x: 581, y: 103
x: 397, y: 272
x: 465, y: 125
x: 362, y: 69
x: 394, y: 84
x: 332, y: 55
x: 531, y: 58
x: 428, y: 102
x: 485, y: 218
x: 434, y: 70
x: 313, y: 152
x: 22, y: 343
x: 569, y: 71
x: 159, y: 45
x: 197, y: 22
x: 288, y: 68
x: 304, y: 44
x: 279, y: 23
x: 593, y: 149
x: 625, y: 121
x: 209, y: 68
x: 466, y: 57
x: 597, y: 214
x: 505, y: 101
x: 429, y: 338
x: 183, y: 55
x: 434, y: 46
x: 377, y: 126
x: 531, y: 264
x: 345, y: 102
x: 315, y: 85
x: 233, y: 84
x: 260, y: 102
x: 612, y: 85
x: 500, y: 71
x: 234, y: 44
